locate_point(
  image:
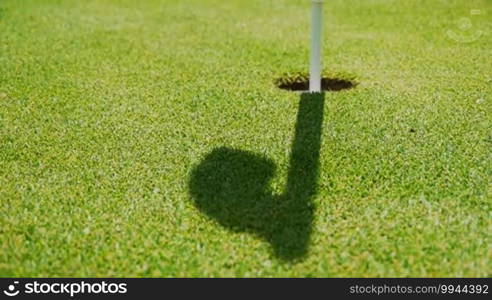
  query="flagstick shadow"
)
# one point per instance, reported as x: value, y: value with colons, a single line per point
x: 232, y: 187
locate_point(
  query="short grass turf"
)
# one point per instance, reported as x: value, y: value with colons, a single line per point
x: 120, y: 120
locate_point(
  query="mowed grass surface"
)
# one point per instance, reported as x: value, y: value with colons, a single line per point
x: 107, y: 106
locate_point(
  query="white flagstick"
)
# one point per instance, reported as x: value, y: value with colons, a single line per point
x: 316, y: 47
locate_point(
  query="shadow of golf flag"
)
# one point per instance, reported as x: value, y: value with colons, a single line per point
x: 232, y: 187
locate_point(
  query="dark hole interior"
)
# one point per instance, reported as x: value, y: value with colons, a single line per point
x: 327, y: 84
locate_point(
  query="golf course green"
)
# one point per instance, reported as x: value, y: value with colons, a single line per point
x: 151, y: 138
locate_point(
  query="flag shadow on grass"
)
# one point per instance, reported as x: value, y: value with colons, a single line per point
x: 232, y: 187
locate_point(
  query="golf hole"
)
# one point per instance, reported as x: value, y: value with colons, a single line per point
x: 301, y: 83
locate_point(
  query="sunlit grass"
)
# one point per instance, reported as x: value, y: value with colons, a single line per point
x: 106, y: 107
